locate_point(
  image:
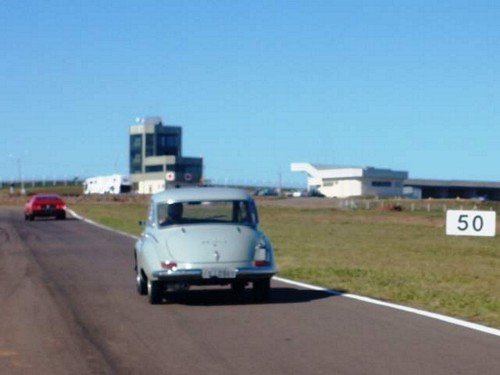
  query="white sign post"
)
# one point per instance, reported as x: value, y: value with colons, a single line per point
x: 471, y: 223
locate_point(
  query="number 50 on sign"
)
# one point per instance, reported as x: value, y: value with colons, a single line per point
x: 471, y: 223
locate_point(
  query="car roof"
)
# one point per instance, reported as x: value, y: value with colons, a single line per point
x: 200, y: 194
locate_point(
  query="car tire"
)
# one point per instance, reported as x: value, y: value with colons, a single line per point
x: 62, y: 216
x: 31, y: 217
x: 154, y: 292
x: 261, y: 289
x: 142, y: 285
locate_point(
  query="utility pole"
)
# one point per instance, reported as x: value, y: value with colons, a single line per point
x: 20, y: 173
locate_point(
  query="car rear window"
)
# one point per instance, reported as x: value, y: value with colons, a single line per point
x: 185, y: 213
x: 45, y: 198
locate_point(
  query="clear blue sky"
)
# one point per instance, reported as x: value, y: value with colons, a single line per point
x: 256, y: 85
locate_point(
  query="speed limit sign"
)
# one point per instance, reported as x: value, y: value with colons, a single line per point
x: 471, y: 223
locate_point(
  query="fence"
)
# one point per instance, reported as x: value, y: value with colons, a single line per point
x: 427, y: 205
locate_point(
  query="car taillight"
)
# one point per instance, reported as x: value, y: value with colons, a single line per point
x: 260, y: 263
x: 37, y: 207
x: 168, y: 265
x: 61, y: 206
x: 260, y: 257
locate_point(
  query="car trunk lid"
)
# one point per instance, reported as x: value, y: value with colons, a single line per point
x: 211, y: 243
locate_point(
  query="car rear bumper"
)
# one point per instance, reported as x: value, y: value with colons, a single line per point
x: 195, y: 276
x: 48, y: 213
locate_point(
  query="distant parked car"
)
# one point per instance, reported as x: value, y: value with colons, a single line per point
x: 315, y: 193
x: 202, y: 236
x: 45, y: 205
x: 266, y: 192
x: 304, y: 193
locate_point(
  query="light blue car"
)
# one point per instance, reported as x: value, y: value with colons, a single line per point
x: 202, y: 236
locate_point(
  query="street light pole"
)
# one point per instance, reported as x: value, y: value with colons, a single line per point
x: 19, y: 171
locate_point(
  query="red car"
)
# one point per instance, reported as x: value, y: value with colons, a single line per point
x: 45, y: 205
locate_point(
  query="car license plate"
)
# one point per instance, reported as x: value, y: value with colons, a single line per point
x: 220, y: 273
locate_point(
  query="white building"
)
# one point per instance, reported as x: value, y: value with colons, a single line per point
x: 151, y: 186
x: 156, y: 159
x: 113, y: 184
x: 342, y: 182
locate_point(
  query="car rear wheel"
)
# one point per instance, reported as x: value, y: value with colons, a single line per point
x: 261, y: 289
x: 142, y: 285
x: 154, y: 292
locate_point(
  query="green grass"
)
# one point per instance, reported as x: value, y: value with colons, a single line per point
x: 395, y: 256
x: 122, y: 216
x: 403, y: 257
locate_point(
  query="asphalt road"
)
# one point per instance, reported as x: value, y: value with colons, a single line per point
x: 68, y: 305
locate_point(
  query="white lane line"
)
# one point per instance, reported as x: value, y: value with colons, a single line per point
x: 74, y: 214
x: 443, y: 318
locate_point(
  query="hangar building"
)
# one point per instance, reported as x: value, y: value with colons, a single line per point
x: 342, y: 182
x: 452, y: 189
x: 156, y: 159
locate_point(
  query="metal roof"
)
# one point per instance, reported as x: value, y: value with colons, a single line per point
x: 451, y: 183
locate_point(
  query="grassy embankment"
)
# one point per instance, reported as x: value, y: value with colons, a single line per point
x: 402, y: 257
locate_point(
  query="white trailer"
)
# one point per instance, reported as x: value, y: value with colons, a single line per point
x: 114, y: 184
